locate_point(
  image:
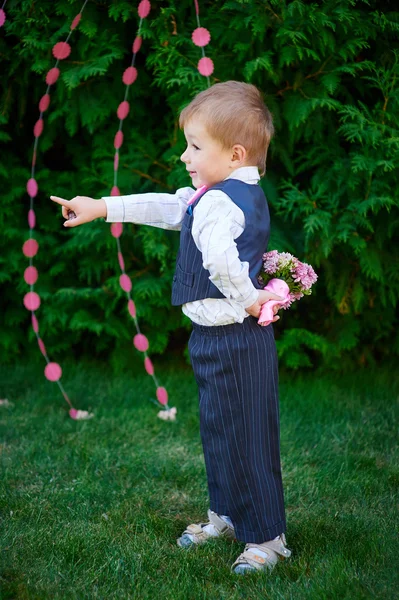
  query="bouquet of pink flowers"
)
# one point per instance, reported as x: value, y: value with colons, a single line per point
x: 286, y: 276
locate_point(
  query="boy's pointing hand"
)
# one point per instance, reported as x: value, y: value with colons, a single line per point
x: 81, y: 209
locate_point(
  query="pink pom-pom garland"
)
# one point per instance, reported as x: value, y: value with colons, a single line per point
x: 137, y: 44
x: 116, y: 229
x: 61, y: 51
x: 31, y: 300
x: 44, y: 102
x: 31, y: 219
x: 32, y: 187
x: 201, y: 37
x: 125, y: 282
x: 52, y: 76
x: 38, y: 128
x: 2, y: 16
x: 30, y: 248
x: 31, y: 275
x: 144, y: 9
x: 76, y: 21
x: 129, y: 77
x: 53, y: 371
x: 205, y: 66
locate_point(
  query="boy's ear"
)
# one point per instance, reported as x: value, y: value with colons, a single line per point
x: 239, y: 155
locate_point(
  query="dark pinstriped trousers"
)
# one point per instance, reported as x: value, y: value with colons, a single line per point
x: 236, y: 370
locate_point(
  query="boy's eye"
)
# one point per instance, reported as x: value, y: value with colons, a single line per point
x: 195, y: 147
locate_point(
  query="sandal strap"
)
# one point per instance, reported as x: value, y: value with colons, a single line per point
x: 277, y: 546
x: 273, y: 549
x: 198, y: 533
x: 220, y: 525
x: 256, y: 561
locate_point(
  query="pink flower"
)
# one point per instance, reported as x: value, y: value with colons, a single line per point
x: 304, y: 274
x: 270, y: 262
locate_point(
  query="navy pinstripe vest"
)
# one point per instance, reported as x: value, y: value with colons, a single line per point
x: 191, y: 280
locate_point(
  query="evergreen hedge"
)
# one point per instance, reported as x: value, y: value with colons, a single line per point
x: 329, y: 73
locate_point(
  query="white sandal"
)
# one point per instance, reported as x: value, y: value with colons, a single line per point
x: 195, y: 534
x: 250, y: 561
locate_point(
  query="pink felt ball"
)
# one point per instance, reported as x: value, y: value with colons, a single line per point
x: 162, y: 395
x: 140, y: 342
x: 2, y: 17
x: 201, y: 36
x: 116, y: 229
x: 35, y: 324
x: 125, y: 283
x: 42, y: 346
x: 144, y: 9
x: 53, y: 371
x: 123, y: 110
x: 73, y: 413
x: 75, y: 22
x: 116, y: 161
x: 115, y: 191
x: 121, y: 261
x: 131, y: 308
x: 44, y: 102
x: 32, y: 187
x: 31, y: 301
x: 31, y: 218
x: 148, y: 366
x: 31, y: 275
x: 30, y: 248
x: 38, y: 128
x: 205, y: 66
x: 118, y: 141
x: 61, y: 50
x: 52, y: 76
x: 129, y: 76
x: 137, y: 44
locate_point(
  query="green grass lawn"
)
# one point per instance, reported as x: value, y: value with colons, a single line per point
x: 93, y: 509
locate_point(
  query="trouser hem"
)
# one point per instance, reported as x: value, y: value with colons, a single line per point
x: 252, y: 537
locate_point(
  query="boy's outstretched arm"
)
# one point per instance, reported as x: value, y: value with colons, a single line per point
x: 162, y: 210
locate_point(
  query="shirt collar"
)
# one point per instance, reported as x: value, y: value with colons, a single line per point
x: 246, y: 174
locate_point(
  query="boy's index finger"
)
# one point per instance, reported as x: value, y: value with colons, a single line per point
x: 61, y: 201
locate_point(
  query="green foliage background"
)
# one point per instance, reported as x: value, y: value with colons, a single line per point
x: 329, y: 73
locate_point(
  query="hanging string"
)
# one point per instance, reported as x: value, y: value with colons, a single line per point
x: 201, y: 37
x: 62, y: 50
x: 31, y: 300
x: 129, y: 77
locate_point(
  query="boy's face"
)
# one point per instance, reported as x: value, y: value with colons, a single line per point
x: 205, y: 158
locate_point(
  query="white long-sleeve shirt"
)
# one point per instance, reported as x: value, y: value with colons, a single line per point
x: 217, y: 222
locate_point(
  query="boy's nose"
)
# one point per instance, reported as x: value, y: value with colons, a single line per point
x: 184, y: 157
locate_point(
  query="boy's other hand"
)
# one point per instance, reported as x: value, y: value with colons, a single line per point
x: 81, y: 209
x: 264, y: 296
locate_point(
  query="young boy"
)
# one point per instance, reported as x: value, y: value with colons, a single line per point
x: 228, y: 130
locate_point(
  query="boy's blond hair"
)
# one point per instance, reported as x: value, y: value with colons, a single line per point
x: 234, y: 113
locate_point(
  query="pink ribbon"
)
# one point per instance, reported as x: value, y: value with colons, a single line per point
x: 196, y: 194
x: 279, y: 287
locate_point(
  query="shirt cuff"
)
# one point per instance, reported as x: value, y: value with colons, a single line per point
x: 251, y: 299
x: 115, y: 209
